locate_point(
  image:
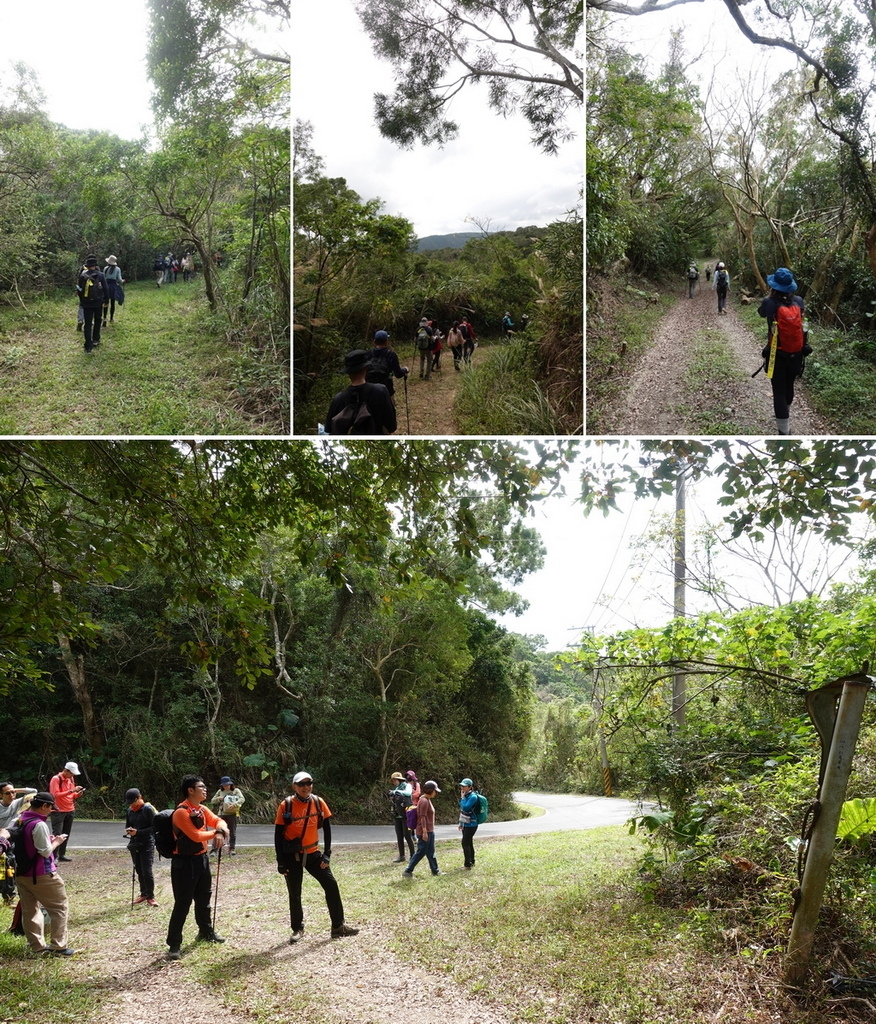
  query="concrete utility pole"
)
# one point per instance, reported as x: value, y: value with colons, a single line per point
x: 838, y: 738
x: 679, y: 560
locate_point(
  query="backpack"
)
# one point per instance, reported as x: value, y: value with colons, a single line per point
x: 789, y: 325
x: 411, y: 818
x: 721, y: 279
x: 483, y: 809
x: 463, y: 330
x: 380, y: 372
x: 94, y: 292
x: 158, y: 264
x: 692, y: 273
x: 162, y: 824
x: 400, y: 803
x: 354, y: 418
x: 23, y: 860
x: 424, y: 340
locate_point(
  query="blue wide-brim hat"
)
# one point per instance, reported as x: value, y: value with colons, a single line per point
x: 782, y: 280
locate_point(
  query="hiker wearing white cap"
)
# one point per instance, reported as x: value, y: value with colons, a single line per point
x: 296, y: 842
x: 425, y: 830
x: 64, y: 792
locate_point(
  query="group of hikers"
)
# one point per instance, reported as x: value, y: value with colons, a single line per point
x: 166, y: 268
x: 784, y: 355
x: 188, y: 835
x: 98, y: 291
x: 367, y: 406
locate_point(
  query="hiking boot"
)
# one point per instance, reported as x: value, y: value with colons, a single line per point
x: 342, y: 930
x: 435, y: 874
x: 399, y: 860
x: 210, y: 936
x: 79, y: 326
x: 140, y: 899
x: 297, y: 935
x: 65, y: 857
x: 174, y: 953
x: 63, y: 952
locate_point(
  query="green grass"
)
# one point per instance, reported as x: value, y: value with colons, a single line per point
x: 159, y: 369
x: 547, y: 928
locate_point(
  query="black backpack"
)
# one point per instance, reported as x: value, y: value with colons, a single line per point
x: 94, y: 292
x: 400, y: 803
x: 165, y: 840
x: 354, y: 418
x: 380, y: 373
x: 721, y: 280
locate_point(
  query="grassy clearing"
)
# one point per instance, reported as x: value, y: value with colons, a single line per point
x: 545, y: 929
x: 620, y: 326
x: 160, y: 369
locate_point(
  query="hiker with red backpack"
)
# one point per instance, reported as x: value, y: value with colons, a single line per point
x: 92, y: 289
x: 786, y: 349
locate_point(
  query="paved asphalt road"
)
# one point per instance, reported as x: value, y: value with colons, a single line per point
x: 562, y: 813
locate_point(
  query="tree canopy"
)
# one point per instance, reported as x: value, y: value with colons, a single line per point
x: 525, y: 53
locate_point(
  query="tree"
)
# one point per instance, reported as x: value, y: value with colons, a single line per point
x: 524, y: 51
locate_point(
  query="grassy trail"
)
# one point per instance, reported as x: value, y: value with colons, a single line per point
x: 156, y: 370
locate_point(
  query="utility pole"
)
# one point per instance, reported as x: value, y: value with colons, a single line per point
x: 679, y: 560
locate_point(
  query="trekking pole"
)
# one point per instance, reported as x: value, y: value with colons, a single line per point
x: 133, y: 876
x: 216, y: 887
x: 407, y: 407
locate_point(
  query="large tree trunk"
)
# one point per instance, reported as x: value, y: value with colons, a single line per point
x: 75, y: 666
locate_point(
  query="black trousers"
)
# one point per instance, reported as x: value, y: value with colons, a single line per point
x: 785, y: 372
x: 231, y: 821
x: 326, y: 879
x: 403, y: 833
x: 468, y: 834
x: 191, y: 882
x: 91, y: 328
x: 62, y: 821
x: 143, y: 856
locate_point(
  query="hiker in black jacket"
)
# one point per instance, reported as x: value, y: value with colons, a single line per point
x: 361, y: 408
x: 92, y: 289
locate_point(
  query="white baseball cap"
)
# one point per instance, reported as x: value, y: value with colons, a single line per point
x: 72, y: 766
x: 302, y: 777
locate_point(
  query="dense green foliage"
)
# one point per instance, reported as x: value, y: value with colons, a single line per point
x: 356, y: 272
x: 252, y: 608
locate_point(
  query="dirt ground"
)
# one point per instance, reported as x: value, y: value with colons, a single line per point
x: 661, y: 401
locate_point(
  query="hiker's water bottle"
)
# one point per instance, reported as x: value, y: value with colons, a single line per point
x: 805, y: 330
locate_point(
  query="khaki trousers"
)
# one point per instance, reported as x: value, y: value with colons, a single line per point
x: 48, y: 891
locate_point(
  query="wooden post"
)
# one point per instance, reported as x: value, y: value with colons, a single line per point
x: 823, y: 839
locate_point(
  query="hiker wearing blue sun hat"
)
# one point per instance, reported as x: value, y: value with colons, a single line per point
x: 468, y: 821
x: 786, y: 348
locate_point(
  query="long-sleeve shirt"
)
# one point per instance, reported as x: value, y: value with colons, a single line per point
x: 182, y: 821
x: 63, y: 792
x: 425, y: 817
x: 228, y: 801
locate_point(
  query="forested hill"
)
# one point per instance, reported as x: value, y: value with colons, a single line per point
x: 774, y: 171
x: 454, y: 241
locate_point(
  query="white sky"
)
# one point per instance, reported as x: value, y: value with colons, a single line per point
x: 89, y: 60
x: 592, y: 579
x: 490, y: 171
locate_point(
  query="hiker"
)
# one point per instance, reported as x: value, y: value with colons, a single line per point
x: 693, y: 275
x: 384, y: 363
x: 141, y: 843
x: 168, y: 268
x: 468, y: 821
x: 721, y: 284
x: 188, y: 267
x: 361, y: 408
x: 470, y: 339
x: 195, y: 828
x: 783, y: 311
x: 296, y: 842
x: 158, y: 268
x: 425, y: 830
x: 114, y: 281
x: 227, y: 803
x: 63, y: 789
x: 424, y: 340
x: 456, y: 342
x: 438, y: 346
x: 507, y: 325
x: 708, y: 272
x: 400, y: 799
x: 411, y: 776
x: 40, y: 887
x: 92, y: 289
x: 12, y: 802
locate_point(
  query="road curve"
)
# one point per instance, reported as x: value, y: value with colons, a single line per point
x: 563, y: 812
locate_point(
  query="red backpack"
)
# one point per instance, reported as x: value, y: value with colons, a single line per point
x: 789, y: 325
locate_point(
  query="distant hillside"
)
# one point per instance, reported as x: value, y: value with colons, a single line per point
x: 454, y: 241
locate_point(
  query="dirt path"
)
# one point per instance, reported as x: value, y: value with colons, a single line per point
x: 431, y: 402
x: 696, y: 378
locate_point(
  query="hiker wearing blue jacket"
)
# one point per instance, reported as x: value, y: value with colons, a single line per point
x: 468, y: 821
